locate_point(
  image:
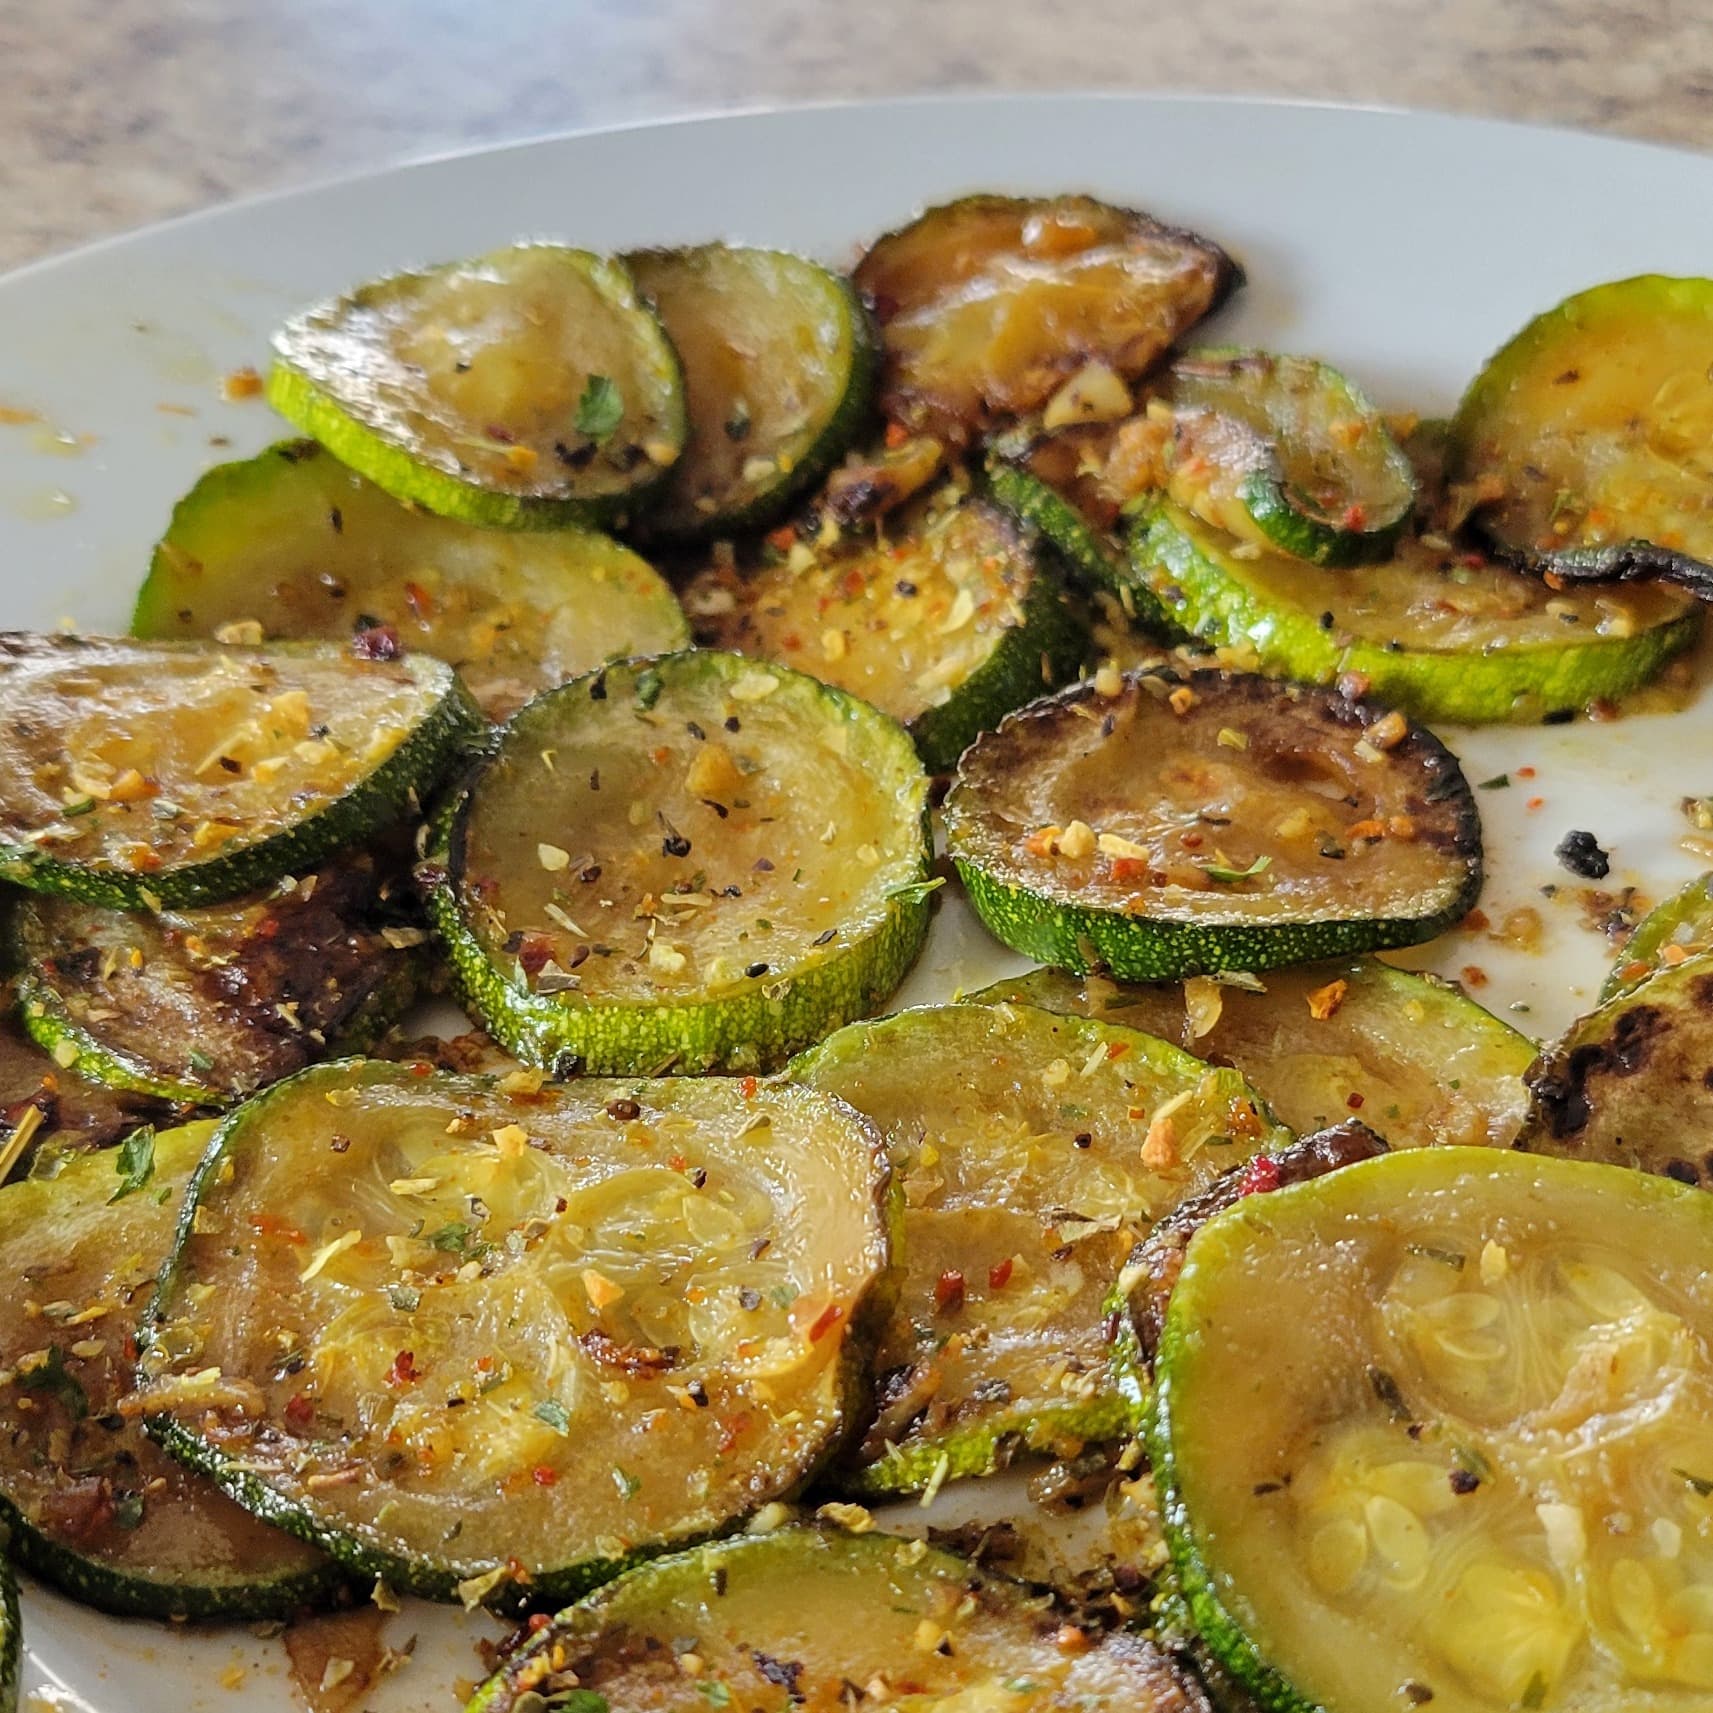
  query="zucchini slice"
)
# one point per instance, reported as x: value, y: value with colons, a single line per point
x: 147, y: 774
x: 527, y: 389
x: 1681, y: 927
x: 779, y: 363
x: 293, y: 542
x: 1584, y: 442
x: 685, y: 864
x: 207, y: 1006
x: 1443, y: 633
x: 11, y: 1639
x: 1414, y: 1057
x: 535, y: 1332
x: 947, y: 623
x: 995, y: 306
x: 92, y: 1505
x: 1431, y: 1431
x: 1287, y: 452
x: 816, y: 1618
x: 1034, y: 1150
x: 1632, y: 1082
x: 1212, y: 822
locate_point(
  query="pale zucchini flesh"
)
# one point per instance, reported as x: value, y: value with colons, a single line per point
x: 530, y: 1332
x: 1034, y: 1150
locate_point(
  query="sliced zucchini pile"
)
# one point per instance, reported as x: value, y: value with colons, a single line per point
x: 948, y: 621
x: 529, y: 388
x: 1286, y: 452
x: 1679, y: 928
x: 1432, y: 1431
x: 819, y: 1618
x: 1415, y: 1058
x: 779, y: 363
x: 1632, y: 1082
x: 1216, y: 822
x: 1437, y: 629
x: 293, y: 542
x: 697, y: 862
x: 207, y: 1006
x: 143, y: 774
x: 93, y: 1507
x: 496, y: 1345
x: 1034, y: 1150
x: 995, y: 306
x: 1584, y: 443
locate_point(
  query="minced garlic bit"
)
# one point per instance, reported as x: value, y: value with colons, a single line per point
x: 1203, y: 1003
x: 328, y: 1251
x: 552, y: 858
x: 240, y: 633
x: 601, y: 1291
x: 665, y: 957
x: 1116, y: 845
x: 1108, y: 681
x: 1495, y: 1262
x: 1388, y: 731
x: 854, y: 1518
x: 1325, y: 1001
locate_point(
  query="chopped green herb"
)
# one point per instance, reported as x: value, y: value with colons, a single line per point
x: 404, y: 1298
x: 782, y: 1296
x: 576, y: 1701
x: 1499, y: 782
x: 649, y: 684
x: 715, y: 1694
x: 554, y: 1413
x: 1702, y: 1484
x: 601, y: 408
x: 51, y: 1376
x: 81, y: 807
x: 134, y: 1161
x: 628, y: 1485
x: 1226, y: 876
x: 128, y: 1510
x: 200, y: 1061
x: 914, y: 891
x: 452, y: 1239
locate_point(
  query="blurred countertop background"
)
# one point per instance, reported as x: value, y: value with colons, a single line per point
x: 114, y: 113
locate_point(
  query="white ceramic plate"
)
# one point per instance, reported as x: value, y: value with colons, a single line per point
x: 1402, y: 247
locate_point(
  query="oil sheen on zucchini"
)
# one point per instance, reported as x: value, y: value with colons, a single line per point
x: 527, y: 389
x: 1034, y: 1150
x: 995, y: 306
x: 142, y: 774
x: 1681, y: 927
x: 808, y: 1617
x: 948, y: 621
x: 779, y: 364
x: 697, y: 862
x: 1414, y: 1058
x: 1440, y: 631
x: 295, y: 543
x: 1286, y: 452
x: 534, y: 1331
x: 92, y: 1505
x: 1431, y: 1431
x: 1156, y: 827
x: 1583, y: 442
x: 207, y: 1006
x: 1632, y: 1082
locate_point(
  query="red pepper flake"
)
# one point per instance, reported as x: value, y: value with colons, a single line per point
x: 422, y: 1068
x: 784, y: 538
x: 271, y: 1225
x: 747, y: 1088
x: 853, y: 583
x: 1355, y: 517
x: 1126, y: 869
x: 299, y: 1412
x: 404, y: 1371
x: 1354, y: 1101
x: 732, y: 1430
x: 678, y: 1163
x: 1535, y: 803
x: 791, y: 642
x: 949, y: 1291
x: 896, y: 435
x: 999, y: 1276
x: 1117, y: 1049
x: 420, y: 601
x: 543, y: 1476
x: 1476, y: 920
x: 534, y: 952
x: 1260, y: 1177
x: 1474, y: 976
x: 825, y: 1321
x: 1525, y: 773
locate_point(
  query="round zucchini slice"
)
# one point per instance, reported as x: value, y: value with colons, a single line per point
x: 811, y: 1617
x: 1415, y: 1058
x: 1215, y: 822
x: 691, y: 863
x: 995, y: 306
x: 1584, y: 442
x: 527, y: 389
x: 1443, y: 633
x: 947, y: 623
x: 1287, y: 452
x: 1034, y: 1151
x: 147, y: 774
x: 1433, y: 1430
x: 93, y: 1506
x: 1632, y: 1082
x: 779, y: 364
x: 292, y: 542
x: 532, y: 1335
x: 1670, y: 933
x: 207, y: 1006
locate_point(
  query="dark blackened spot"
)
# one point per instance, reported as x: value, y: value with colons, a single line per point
x: 1682, y: 1170
x: 1701, y: 990
x: 782, y: 1672
x: 337, y: 519
x: 1580, y: 852
x: 1560, y: 1086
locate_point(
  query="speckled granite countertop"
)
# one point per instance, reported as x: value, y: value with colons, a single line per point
x: 114, y: 113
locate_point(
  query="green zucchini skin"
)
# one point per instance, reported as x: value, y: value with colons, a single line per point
x: 388, y: 794
x: 757, y: 1023
x: 323, y: 390
x: 851, y: 371
x: 1192, y: 572
x: 1684, y: 920
x: 1054, y: 929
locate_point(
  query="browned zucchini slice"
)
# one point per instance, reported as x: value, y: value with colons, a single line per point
x: 995, y: 306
